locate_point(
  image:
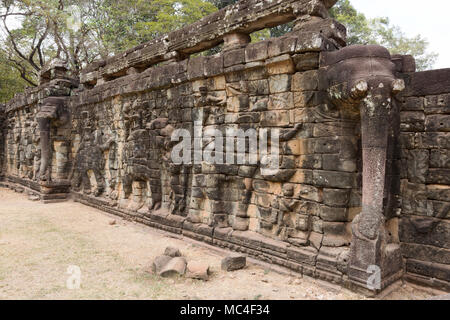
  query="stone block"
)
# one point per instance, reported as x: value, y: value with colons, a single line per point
x: 412, y: 121
x: 197, y: 270
x: 280, y: 65
x: 279, y: 83
x: 309, y: 161
x: 159, y: 263
x: 336, y: 197
x: 438, y: 176
x: 440, y: 159
x: 281, y: 101
x: 418, y: 165
x: 305, y: 255
x: 437, y: 104
x: 195, y: 68
x: 332, y: 214
x: 306, y: 61
x: 310, y: 193
x: 305, y: 81
x: 258, y: 87
x: 425, y: 231
x: 256, y: 51
x: 336, y: 234
x: 175, y: 267
x: 172, y: 252
x: 437, y: 122
x: 282, y: 45
x: 233, y: 262
x: 438, y: 192
x: 413, y: 104
x: 334, y: 179
x: 433, y: 140
x: 233, y: 57
x: 276, y: 118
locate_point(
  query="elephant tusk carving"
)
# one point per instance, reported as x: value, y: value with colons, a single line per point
x: 398, y: 85
x: 359, y: 90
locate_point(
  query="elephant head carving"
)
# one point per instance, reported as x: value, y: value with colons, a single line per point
x: 52, y: 111
x: 362, y: 79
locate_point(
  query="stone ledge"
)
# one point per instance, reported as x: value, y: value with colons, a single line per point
x: 243, y: 17
x: 198, y: 68
x: 428, y: 282
x: 60, y: 193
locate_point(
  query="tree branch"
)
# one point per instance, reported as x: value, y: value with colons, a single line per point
x: 38, y: 46
x: 15, y: 47
x: 23, y: 71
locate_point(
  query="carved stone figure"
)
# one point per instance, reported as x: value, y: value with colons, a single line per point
x: 36, y: 151
x: 90, y: 159
x: 283, y: 214
x: 136, y: 155
x: 363, y: 77
x: 52, y: 112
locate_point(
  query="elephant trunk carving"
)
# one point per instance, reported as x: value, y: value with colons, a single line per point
x: 44, y: 128
x: 376, y: 113
x: 362, y: 79
x: 51, y: 112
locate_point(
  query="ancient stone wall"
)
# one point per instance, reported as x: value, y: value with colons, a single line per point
x: 299, y: 216
x: 425, y: 145
x: 2, y: 135
x: 330, y: 210
x: 37, y: 137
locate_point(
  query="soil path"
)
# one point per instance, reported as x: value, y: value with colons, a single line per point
x: 38, y: 242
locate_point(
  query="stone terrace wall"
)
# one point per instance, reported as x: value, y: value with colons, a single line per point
x: 2, y: 135
x: 21, y: 139
x: 424, y: 223
x: 329, y: 212
x: 299, y: 217
x: 37, y: 137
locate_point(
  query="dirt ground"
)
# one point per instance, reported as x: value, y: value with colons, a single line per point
x: 38, y: 242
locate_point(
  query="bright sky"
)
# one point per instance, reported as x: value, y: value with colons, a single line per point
x: 430, y: 18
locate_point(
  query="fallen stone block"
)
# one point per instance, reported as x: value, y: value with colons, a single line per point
x: 159, y: 263
x: 176, y: 266
x: 172, y: 252
x: 197, y: 270
x: 233, y: 262
x: 33, y: 197
x: 19, y: 189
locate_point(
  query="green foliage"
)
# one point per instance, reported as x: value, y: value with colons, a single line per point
x: 171, y: 15
x: 222, y: 3
x: 34, y: 32
x: 358, y: 29
x: 10, y: 80
x: 125, y: 23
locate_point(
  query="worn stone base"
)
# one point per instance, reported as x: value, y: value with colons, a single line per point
x: 427, y: 281
x: 48, y: 193
x: 361, y: 287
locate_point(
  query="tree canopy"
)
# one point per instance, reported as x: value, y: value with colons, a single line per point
x: 361, y: 30
x: 34, y: 32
